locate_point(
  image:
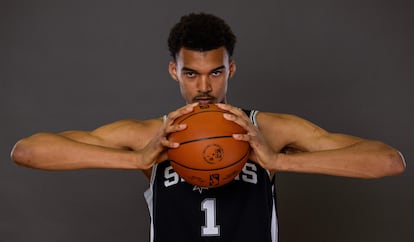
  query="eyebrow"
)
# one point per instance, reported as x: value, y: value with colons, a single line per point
x: 213, y: 70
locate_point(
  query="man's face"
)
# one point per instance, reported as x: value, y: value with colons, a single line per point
x: 202, y: 76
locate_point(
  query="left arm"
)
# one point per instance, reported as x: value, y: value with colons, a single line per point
x: 361, y: 159
x: 288, y: 143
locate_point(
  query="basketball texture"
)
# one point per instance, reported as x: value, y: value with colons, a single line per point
x: 208, y: 155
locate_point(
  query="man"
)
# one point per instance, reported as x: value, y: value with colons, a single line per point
x: 201, y: 46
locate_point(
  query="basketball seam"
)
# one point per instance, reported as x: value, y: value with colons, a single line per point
x: 206, y: 138
x: 205, y: 111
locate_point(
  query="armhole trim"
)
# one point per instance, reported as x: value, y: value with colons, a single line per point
x: 252, y: 117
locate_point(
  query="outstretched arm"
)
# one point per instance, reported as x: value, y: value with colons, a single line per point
x: 109, y: 146
x: 288, y: 143
x: 125, y: 144
x: 343, y: 155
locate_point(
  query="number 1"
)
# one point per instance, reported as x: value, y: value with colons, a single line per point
x: 208, y: 206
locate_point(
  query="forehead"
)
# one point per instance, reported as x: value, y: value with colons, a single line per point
x: 199, y: 60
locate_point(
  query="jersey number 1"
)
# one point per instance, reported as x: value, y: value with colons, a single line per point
x: 208, y: 206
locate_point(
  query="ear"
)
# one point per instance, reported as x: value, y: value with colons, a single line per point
x: 232, y: 68
x: 172, y: 69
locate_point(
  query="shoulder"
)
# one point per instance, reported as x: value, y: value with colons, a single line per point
x: 128, y: 133
x: 130, y: 124
x: 282, y: 121
x: 286, y: 129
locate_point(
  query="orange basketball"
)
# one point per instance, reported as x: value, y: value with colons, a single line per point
x: 208, y: 155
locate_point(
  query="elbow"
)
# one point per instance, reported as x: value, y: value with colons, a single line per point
x: 397, y: 163
x: 26, y: 151
x: 20, y: 153
x: 394, y: 164
x: 389, y: 162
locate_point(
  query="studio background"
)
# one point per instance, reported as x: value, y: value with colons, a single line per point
x: 346, y: 65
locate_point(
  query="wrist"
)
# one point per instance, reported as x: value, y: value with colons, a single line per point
x: 138, y: 161
x: 278, y: 162
x: 273, y: 162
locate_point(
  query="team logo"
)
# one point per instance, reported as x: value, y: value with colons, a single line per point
x: 213, y: 153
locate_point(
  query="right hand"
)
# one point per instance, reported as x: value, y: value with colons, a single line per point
x: 156, y: 150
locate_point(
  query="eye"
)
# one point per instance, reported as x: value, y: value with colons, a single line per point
x: 190, y: 74
x: 216, y: 73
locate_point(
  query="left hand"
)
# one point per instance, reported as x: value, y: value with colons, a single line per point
x: 261, y: 153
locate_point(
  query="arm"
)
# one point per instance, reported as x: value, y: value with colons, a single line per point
x: 126, y: 144
x: 289, y: 143
x: 110, y: 146
x: 311, y: 149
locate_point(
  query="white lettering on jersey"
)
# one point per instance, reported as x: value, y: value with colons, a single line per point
x: 248, y: 173
x: 171, y: 177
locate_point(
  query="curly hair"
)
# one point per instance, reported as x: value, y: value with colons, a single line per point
x: 201, y: 32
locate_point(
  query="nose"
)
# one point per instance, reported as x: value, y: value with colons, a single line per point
x: 204, y: 84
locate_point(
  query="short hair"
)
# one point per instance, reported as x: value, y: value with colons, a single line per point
x: 201, y: 32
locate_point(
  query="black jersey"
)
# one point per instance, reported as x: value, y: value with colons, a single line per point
x: 242, y: 210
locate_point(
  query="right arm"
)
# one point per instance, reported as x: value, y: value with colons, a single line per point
x: 115, y: 145
x: 125, y: 144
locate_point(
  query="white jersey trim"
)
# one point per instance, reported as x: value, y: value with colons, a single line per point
x: 252, y: 117
x: 274, y: 229
x: 149, y: 198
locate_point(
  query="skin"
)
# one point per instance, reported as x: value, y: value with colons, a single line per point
x: 203, y: 78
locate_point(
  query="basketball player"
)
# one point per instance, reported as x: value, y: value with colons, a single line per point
x: 201, y: 47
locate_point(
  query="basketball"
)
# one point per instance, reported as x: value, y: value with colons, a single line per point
x: 208, y: 155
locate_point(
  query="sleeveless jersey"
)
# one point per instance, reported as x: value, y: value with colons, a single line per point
x: 242, y: 210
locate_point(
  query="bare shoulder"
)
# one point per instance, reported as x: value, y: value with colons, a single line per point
x: 128, y: 133
x: 293, y: 133
x: 129, y: 124
x: 285, y: 123
x: 288, y: 131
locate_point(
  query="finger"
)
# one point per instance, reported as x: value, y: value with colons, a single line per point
x: 165, y: 142
x: 169, y: 125
x: 174, y: 128
x: 244, y: 122
x: 236, y: 115
x: 232, y: 109
x: 181, y: 111
x: 242, y: 137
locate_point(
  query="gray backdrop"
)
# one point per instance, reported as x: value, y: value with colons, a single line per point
x: 346, y: 65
